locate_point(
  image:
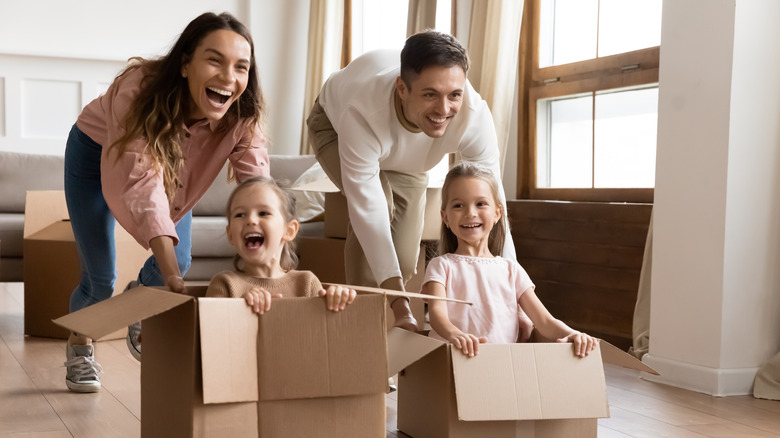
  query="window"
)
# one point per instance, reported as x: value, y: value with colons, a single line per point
x: 381, y: 24
x: 591, y: 100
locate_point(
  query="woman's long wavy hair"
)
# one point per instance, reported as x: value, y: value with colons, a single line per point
x: 289, y: 259
x: 448, y: 242
x: 163, y: 103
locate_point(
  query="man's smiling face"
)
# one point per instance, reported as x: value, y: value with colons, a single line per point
x: 432, y: 98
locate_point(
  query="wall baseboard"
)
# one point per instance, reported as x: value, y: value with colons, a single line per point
x: 714, y: 381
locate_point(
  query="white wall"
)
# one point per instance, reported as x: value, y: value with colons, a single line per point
x: 714, y: 293
x: 281, y: 39
x: 52, y: 64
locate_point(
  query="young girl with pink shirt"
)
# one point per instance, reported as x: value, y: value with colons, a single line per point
x: 472, y: 231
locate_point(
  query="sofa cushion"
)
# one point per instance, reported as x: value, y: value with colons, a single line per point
x: 285, y: 168
x: 22, y: 172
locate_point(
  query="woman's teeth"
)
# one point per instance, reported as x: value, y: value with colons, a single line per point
x: 442, y: 120
x: 222, y: 92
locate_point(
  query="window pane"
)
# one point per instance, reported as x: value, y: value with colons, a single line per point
x: 568, y: 31
x: 378, y: 24
x: 627, y: 25
x: 565, y: 153
x: 444, y: 16
x: 625, y: 138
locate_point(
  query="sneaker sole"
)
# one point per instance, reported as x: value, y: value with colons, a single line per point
x: 83, y: 387
x: 136, y: 354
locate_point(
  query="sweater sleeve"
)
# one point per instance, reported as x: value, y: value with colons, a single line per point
x: 219, y: 286
x: 360, y: 153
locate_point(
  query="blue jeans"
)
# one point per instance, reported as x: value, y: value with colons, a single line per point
x: 93, y: 227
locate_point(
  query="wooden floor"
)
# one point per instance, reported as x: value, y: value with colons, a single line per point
x: 34, y: 401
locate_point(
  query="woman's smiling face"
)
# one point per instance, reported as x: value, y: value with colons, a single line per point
x: 217, y: 74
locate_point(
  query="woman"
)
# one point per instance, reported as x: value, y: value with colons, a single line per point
x: 146, y: 152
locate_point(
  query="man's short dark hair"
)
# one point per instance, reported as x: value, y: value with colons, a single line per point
x: 431, y: 48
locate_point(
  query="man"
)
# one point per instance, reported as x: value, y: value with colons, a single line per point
x: 376, y: 129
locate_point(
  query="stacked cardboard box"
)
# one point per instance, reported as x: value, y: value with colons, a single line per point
x: 51, y: 263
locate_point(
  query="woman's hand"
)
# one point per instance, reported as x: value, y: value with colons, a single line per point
x: 259, y: 300
x: 338, y: 297
x: 176, y: 284
x: 583, y: 343
x: 467, y: 343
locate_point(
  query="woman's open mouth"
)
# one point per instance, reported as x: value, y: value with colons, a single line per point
x: 218, y: 96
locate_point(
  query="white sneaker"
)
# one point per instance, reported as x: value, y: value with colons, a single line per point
x: 133, y: 331
x: 82, y: 375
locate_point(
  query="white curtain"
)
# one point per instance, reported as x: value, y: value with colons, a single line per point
x: 326, y: 23
x: 493, y: 46
x: 422, y: 16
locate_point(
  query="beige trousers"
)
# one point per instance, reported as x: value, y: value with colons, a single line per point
x: 404, y: 193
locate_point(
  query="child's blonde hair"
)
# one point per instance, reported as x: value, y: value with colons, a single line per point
x: 289, y: 259
x: 449, y: 242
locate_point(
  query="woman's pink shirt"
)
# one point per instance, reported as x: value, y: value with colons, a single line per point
x: 132, y: 186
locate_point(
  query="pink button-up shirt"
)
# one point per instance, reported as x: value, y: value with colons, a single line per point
x: 132, y: 186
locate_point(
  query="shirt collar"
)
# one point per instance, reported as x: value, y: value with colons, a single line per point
x: 399, y: 112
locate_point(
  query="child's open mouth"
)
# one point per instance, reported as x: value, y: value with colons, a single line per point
x: 253, y: 241
x: 218, y: 96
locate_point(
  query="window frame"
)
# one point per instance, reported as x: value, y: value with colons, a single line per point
x: 630, y: 69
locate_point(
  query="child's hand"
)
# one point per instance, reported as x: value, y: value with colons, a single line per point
x: 468, y: 344
x: 583, y: 343
x: 337, y: 297
x: 259, y: 300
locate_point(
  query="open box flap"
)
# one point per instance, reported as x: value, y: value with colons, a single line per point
x: 615, y: 356
x: 529, y: 382
x: 405, y: 348
x: 228, y: 344
x: 127, y: 308
x: 41, y: 208
x: 324, y: 185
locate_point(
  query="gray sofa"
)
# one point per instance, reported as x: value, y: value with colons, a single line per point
x: 210, y: 250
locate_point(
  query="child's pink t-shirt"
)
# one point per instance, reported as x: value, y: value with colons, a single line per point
x: 494, y: 285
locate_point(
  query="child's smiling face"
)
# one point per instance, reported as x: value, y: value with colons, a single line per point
x: 471, y: 213
x: 258, y: 229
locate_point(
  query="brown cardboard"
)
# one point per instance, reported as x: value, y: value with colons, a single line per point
x: 315, y: 372
x: 337, y: 214
x: 51, y: 264
x: 324, y: 256
x: 508, y: 390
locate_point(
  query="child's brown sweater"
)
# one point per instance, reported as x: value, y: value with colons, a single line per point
x: 232, y: 284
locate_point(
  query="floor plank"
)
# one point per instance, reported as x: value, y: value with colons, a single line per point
x: 34, y: 401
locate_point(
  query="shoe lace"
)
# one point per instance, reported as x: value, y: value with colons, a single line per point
x: 83, y: 366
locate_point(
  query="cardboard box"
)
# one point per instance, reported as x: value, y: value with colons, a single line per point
x: 324, y: 257
x: 51, y: 264
x: 507, y: 390
x: 211, y: 367
x: 337, y: 214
